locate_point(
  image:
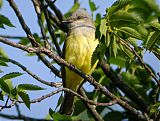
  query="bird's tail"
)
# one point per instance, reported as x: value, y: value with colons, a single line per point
x: 67, y: 104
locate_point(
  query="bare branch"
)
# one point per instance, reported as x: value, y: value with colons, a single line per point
x: 50, y: 66
x: 31, y: 38
x: 51, y: 31
x: 88, y: 78
x: 16, y: 37
x: 18, y: 110
x: 130, y: 92
x: 55, y: 9
x: 38, y: 11
x: 61, y: 25
x: 22, y: 22
x: 22, y: 117
x: 52, y: 84
x: 75, y: 93
x: 7, y: 106
x: 91, y: 108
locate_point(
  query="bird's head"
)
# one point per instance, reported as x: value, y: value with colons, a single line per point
x: 79, y: 17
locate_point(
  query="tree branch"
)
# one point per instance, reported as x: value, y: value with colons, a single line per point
x: 22, y: 22
x: 16, y: 37
x: 38, y: 12
x: 22, y: 117
x: 124, y: 43
x: 7, y: 106
x: 55, y: 9
x: 50, y: 29
x: 70, y: 91
x: 18, y: 110
x: 130, y: 92
x: 91, y: 108
x: 88, y: 78
x: 52, y: 84
x: 31, y: 38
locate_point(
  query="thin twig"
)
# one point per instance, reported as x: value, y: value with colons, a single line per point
x: 18, y: 110
x: 55, y: 9
x: 123, y: 42
x: 91, y: 108
x: 22, y: 117
x: 7, y: 106
x: 31, y: 38
x: 50, y: 66
x: 17, y: 37
x: 38, y: 12
x: 88, y: 78
x: 75, y: 93
x: 6, y: 101
x: 51, y: 31
x: 129, y: 91
x: 52, y: 84
x: 22, y: 22
x: 59, y: 24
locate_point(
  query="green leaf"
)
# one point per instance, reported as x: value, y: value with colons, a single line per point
x: 103, y: 27
x: 11, y: 75
x: 57, y: 116
x: 152, y: 39
x: 114, y: 116
x: 4, y: 86
x: 74, y: 7
x: 114, y: 46
x: 3, y: 63
x: 124, y: 16
x: 118, y: 5
x: 5, y: 21
x: 24, y: 41
x: 1, y: 96
x: 156, y: 25
x: 37, y: 38
x: 29, y: 87
x: 2, y: 53
x: 98, y: 19
x: 80, y: 105
x: 92, y: 6
x: 154, y: 108
x: 25, y: 97
x: 9, y: 83
x: 108, y: 39
x: 98, y: 53
x: 128, y: 53
x: 119, y: 61
x: 131, y: 32
x: 142, y: 31
x: 130, y: 78
x: 14, y: 92
x: 4, y: 59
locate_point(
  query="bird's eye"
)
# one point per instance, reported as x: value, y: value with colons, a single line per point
x: 79, y: 17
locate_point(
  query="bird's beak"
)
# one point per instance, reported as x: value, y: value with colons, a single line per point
x: 67, y: 21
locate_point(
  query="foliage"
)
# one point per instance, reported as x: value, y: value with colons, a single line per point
x: 128, y: 29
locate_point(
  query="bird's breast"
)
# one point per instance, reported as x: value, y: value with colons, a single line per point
x: 80, y: 45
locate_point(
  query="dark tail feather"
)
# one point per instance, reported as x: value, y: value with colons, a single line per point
x: 67, y: 104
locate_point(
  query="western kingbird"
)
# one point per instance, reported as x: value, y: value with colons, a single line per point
x: 78, y: 49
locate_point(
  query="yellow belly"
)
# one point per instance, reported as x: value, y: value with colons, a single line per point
x: 79, y: 50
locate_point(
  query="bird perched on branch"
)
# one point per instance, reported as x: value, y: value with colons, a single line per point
x: 78, y: 49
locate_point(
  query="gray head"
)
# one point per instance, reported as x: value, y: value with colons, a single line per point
x: 80, y: 16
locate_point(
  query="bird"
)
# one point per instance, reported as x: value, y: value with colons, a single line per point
x: 78, y: 48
